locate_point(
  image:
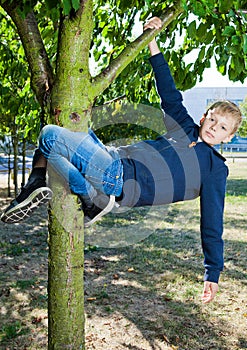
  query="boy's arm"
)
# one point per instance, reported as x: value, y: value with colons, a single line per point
x: 212, y: 209
x: 171, y: 99
x: 153, y: 48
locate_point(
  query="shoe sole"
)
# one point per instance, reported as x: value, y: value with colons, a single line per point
x: 104, y: 211
x: 24, y: 209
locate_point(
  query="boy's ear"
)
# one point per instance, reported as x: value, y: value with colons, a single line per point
x: 202, y: 119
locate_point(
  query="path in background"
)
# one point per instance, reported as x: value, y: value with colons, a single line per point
x: 4, y: 177
x: 4, y: 181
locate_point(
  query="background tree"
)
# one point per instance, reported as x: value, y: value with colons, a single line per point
x: 62, y: 40
x: 18, y: 108
x: 243, y: 127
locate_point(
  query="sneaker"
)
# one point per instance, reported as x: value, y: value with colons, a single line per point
x: 101, y: 205
x: 32, y: 195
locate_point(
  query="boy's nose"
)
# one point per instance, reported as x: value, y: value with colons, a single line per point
x: 213, y: 127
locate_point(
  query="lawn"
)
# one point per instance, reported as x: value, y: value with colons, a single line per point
x: 142, y: 285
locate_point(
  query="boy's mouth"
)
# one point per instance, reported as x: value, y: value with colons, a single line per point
x: 209, y: 134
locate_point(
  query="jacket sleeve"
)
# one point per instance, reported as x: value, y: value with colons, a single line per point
x: 212, y: 199
x: 176, y: 115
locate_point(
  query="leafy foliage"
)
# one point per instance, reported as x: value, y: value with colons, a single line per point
x: 18, y: 108
x: 243, y: 128
x: 122, y: 122
x: 204, y: 30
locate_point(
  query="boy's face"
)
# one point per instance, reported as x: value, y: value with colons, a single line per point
x: 216, y: 128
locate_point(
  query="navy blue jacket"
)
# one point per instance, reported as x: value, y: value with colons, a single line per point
x: 177, y: 167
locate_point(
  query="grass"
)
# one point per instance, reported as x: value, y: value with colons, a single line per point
x: 154, y: 286
x: 12, y: 330
x: 142, y: 291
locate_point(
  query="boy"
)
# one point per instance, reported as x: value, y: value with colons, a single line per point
x: 179, y: 165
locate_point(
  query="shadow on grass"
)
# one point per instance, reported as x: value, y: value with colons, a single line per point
x: 236, y: 187
x: 156, y: 286
x: 153, y: 287
x: 23, y: 280
x: 235, y: 254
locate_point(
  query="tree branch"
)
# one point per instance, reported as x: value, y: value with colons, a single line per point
x: 132, y: 50
x: 41, y: 70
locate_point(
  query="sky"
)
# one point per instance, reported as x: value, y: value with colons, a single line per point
x: 212, y: 78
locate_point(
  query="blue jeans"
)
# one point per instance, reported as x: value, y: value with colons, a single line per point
x: 82, y: 160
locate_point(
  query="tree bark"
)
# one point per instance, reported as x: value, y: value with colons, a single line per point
x: 14, y: 138
x: 72, y: 95
x: 24, y: 144
x: 65, y: 282
x: 71, y: 105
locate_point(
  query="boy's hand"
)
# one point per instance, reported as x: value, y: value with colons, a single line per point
x: 209, y: 291
x: 153, y: 23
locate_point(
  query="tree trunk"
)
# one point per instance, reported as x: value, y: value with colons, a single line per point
x: 15, y: 167
x: 65, y: 282
x: 71, y: 108
x: 23, y: 178
x: 9, y: 169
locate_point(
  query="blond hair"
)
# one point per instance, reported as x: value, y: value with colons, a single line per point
x: 230, y: 109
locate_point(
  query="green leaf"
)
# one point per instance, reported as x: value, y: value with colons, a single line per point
x: 237, y: 64
x: 245, y: 43
x: 201, y: 53
x: 202, y: 31
x: 245, y: 63
x: 224, y: 58
x: 209, y: 37
x: 174, y: 58
x: 228, y: 31
x: 234, y: 50
x: 67, y: 6
x: 236, y: 40
x: 225, y: 5
x: 191, y: 30
x: 75, y: 4
x: 199, y: 10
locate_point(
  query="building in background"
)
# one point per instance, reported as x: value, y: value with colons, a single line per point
x: 198, y: 99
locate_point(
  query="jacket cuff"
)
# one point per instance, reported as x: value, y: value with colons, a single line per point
x: 157, y: 60
x: 212, y: 275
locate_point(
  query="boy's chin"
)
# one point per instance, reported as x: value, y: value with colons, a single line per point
x: 208, y: 142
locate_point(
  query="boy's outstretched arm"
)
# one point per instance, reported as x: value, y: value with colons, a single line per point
x: 153, y: 23
x: 210, y: 288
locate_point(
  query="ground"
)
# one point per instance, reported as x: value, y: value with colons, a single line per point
x: 140, y: 294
